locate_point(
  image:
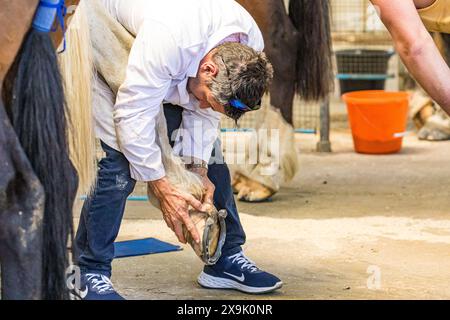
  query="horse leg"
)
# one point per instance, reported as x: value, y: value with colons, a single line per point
x: 281, y: 47
x: 282, y: 51
x: 21, y: 212
x: 282, y: 91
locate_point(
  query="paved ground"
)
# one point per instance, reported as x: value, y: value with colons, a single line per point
x: 349, y: 226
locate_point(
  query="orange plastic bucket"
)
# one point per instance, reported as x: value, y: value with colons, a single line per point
x: 378, y: 120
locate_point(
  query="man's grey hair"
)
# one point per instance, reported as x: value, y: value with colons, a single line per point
x: 244, y: 74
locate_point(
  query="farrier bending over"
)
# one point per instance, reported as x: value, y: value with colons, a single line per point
x: 200, y: 59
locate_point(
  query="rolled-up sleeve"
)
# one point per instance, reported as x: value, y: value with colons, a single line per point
x: 151, y: 67
x: 200, y: 131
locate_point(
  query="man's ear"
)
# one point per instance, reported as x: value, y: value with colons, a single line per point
x: 210, y: 68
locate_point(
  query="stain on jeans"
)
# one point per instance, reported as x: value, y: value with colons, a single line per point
x: 121, y: 181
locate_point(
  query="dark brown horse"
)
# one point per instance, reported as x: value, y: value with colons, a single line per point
x: 37, y: 179
x: 299, y: 47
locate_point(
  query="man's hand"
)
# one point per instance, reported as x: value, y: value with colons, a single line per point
x: 175, y: 208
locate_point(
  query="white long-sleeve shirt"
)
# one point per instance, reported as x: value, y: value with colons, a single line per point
x: 172, y: 37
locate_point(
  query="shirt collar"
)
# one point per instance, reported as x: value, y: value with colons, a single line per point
x: 212, y: 42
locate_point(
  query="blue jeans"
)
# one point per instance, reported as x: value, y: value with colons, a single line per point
x: 102, y: 212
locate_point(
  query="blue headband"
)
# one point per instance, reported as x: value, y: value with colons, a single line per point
x: 238, y: 104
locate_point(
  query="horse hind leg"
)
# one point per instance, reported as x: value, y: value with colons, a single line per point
x: 282, y: 50
x: 21, y: 213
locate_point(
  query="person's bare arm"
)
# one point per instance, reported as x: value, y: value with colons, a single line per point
x: 416, y: 48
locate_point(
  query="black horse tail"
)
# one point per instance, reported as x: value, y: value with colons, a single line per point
x: 314, y: 70
x: 35, y: 103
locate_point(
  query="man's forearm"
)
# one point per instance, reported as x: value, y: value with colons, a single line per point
x: 431, y: 71
x: 416, y: 48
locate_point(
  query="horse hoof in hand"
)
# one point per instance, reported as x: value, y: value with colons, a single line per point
x: 211, y: 227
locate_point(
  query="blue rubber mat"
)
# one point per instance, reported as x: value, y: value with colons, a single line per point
x: 142, y: 247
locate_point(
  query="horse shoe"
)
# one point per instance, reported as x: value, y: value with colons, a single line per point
x: 211, y: 225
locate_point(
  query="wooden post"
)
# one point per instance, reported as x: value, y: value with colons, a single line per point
x: 324, y: 145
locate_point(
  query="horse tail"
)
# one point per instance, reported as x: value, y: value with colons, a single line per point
x: 314, y: 71
x: 34, y: 98
x: 77, y: 70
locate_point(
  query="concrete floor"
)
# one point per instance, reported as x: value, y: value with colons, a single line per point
x: 349, y: 226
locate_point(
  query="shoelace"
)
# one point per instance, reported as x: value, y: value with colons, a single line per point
x: 100, y: 282
x: 240, y: 258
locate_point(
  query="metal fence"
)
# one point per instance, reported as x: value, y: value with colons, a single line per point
x: 306, y: 118
x: 357, y: 22
x: 363, y: 47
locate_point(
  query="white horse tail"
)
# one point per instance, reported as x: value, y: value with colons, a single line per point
x: 76, y: 64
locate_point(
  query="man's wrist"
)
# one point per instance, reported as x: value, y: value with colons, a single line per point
x: 193, y: 163
x: 159, y: 186
x: 201, y: 171
x: 192, y: 166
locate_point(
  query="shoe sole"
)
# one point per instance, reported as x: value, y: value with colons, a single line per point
x: 210, y: 282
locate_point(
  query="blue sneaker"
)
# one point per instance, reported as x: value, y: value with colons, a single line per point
x: 97, y: 287
x: 239, y: 273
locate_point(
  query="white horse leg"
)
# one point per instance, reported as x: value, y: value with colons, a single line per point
x: 260, y: 169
